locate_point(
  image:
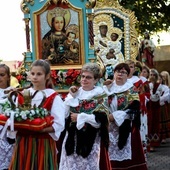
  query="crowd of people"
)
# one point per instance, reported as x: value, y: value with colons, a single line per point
x: 109, y: 126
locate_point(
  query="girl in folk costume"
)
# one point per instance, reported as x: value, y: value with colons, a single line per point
x: 86, y: 141
x: 166, y: 80
x: 144, y: 94
x: 6, y: 145
x: 154, y: 110
x: 37, y: 149
x: 165, y: 107
x: 125, y: 149
x: 144, y: 75
x: 144, y: 98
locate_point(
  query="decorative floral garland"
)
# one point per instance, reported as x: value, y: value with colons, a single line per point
x: 21, y: 115
x: 61, y: 79
x: 68, y: 77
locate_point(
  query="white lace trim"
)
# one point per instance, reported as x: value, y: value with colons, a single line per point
x: 114, y: 152
x: 76, y: 162
x: 6, y: 151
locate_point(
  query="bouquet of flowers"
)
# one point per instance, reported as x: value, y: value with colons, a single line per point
x: 24, y: 116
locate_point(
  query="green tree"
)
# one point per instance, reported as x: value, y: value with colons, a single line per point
x: 152, y: 15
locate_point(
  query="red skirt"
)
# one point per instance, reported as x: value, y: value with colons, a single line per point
x: 104, y: 159
x: 154, y: 123
x: 165, y: 121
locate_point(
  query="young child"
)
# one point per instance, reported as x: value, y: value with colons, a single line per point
x: 37, y: 150
x: 115, y: 44
x: 114, y: 55
x: 71, y: 46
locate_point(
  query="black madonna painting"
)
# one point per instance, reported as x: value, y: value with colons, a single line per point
x: 60, y: 43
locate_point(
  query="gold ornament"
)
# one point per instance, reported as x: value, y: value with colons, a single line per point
x: 59, y: 12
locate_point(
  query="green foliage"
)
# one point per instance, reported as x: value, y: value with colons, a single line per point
x: 152, y: 15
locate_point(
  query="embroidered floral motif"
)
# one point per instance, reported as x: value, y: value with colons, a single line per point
x: 122, y: 100
x: 85, y: 106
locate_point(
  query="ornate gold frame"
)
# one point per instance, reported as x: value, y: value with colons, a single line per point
x: 130, y: 33
x: 37, y: 43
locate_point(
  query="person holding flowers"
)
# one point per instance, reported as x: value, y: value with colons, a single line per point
x: 36, y: 149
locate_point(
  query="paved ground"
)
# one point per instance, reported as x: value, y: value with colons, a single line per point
x: 160, y: 159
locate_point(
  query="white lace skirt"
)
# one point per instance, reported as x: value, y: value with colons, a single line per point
x: 77, y: 162
x: 6, y: 151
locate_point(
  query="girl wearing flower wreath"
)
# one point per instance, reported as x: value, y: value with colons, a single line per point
x: 37, y: 149
x: 6, y: 145
x: 86, y: 141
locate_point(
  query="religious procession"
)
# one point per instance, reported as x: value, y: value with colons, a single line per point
x: 88, y: 94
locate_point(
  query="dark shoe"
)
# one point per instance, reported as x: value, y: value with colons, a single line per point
x: 152, y: 149
x: 163, y: 141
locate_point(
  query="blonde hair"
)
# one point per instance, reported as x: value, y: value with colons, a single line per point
x: 155, y: 72
x: 130, y: 62
x: 167, y: 78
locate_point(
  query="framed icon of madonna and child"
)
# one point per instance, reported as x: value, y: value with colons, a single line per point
x: 57, y: 32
